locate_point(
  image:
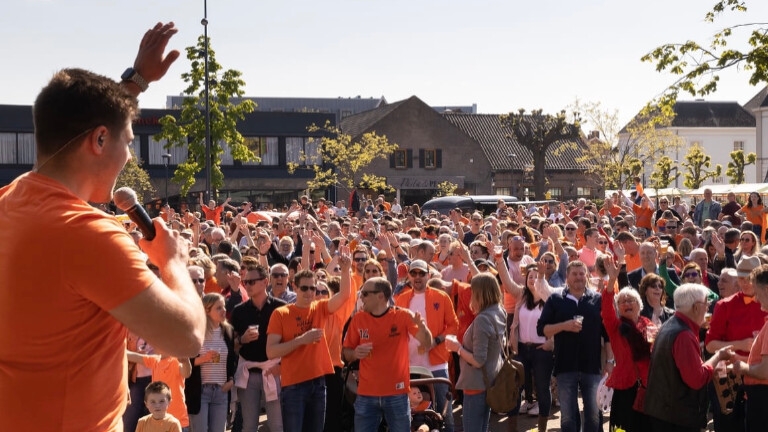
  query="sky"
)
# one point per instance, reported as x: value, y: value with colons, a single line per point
x: 500, y: 55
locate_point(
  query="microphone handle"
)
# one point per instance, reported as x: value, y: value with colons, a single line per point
x: 140, y: 217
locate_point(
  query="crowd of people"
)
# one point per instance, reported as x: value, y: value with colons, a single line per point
x: 217, y: 317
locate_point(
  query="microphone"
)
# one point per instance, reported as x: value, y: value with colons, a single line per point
x: 125, y: 199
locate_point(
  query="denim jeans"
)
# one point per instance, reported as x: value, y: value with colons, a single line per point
x: 475, y: 413
x: 213, y: 410
x: 250, y: 405
x: 539, y: 364
x: 369, y: 410
x: 568, y: 384
x: 441, y: 390
x: 303, y: 406
x: 136, y: 409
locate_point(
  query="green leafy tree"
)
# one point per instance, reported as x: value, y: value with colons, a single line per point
x: 739, y: 161
x: 136, y: 178
x: 697, y: 167
x: 341, y: 159
x: 189, y: 130
x: 537, y: 132
x: 698, y: 66
x: 662, y: 173
x: 446, y: 188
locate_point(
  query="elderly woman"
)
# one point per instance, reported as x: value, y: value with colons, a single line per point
x: 480, y: 352
x: 676, y: 396
x: 631, y: 336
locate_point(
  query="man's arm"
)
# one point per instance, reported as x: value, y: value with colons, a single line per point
x: 340, y: 299
x: 277, y: 348
x: 150, y: 61
x: 169, y: 313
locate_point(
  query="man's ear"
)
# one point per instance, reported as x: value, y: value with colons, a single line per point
x: 97, y: 138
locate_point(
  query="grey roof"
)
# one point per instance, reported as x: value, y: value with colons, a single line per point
x: 711, y: 114
x: 495, y: 141
x: 339, y: 106
x: 760, y: 100
x: 356, y: 124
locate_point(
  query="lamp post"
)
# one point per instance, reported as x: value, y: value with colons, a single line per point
x: 204, y: 22
x: 166, y: 161
x: 512, y: 175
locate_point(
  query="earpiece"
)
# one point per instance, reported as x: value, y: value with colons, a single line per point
x: 101, y: 140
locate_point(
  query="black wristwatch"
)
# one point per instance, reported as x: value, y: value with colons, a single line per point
x: 133, y: 76
x: 439, y: 340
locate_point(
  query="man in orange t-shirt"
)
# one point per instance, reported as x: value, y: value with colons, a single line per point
x: 295, y: 334
x: 378, y: 337
x: 64, y: 309
x: 213, y: 212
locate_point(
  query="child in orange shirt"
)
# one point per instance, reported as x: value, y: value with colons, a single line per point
x: 157, y: 397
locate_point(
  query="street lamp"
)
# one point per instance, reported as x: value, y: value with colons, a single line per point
x: 204, y: 22
x: 166, y: 160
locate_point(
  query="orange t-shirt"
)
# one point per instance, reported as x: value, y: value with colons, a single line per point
x: 633, y: 261
x: 63, y: 266
x: 211, y: 286
x: 168, y: 370
x: 386, y: 371
x: 213, y: 215
x: 334, y: 327
x: 307, y: 361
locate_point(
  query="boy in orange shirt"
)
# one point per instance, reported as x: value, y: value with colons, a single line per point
x: 295, y: 335
x: 157, y: 397
x: 171, y: 371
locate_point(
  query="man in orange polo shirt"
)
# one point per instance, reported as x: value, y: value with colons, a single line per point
x: 295, y: 334
x: 436, y: 306
x: 378, y: 337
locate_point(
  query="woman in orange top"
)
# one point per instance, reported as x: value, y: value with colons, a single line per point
x: 754, y: 212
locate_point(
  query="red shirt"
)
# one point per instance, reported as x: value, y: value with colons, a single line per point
x: 687, y: 354
x: 624, y: 375
x: 733, y: 320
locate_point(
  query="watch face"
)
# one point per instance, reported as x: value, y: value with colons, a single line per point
x: 127, y: 74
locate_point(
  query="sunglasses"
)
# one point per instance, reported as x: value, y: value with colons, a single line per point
x: 322, y: 292
x: 745, y: 239
x: 305, y: 288
x: 656, y: 285
x: 365, y: 293
x: 361, y: 259
x: 570, y: 229
x: 251, y: 282
x: 417, y: 273
x: 198, y: 281
x: 602, y: 242
x: 279, y: 275
x: 671, y: 227
x: 690, y: 274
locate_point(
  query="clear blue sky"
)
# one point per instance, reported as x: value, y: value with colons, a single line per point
x: 501, y: 55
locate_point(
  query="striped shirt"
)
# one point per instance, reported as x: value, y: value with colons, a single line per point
x: 215, y: 373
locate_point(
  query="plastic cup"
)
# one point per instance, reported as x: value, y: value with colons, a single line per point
x: 217, y: 357
x: 498, y: 250
x: 579, y: 319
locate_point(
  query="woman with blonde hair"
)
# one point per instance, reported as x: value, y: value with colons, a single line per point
x: 213, y: 370
x: 480, y: 352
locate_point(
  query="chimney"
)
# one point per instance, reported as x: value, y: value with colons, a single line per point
x: 593, y: 135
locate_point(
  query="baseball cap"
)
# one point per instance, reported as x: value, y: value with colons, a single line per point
x: 418, y: 265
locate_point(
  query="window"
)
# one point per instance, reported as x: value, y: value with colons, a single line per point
x: 555, y: 192
x: 263, y: 147
x: 26, y: 148
x: 17, y: 148
x: 430, y: 159
x: 738, y: 145
x: 583, y: 191
x: 157, y: 150
x: 302, y: 151
x: 345, y: 113
x: 502, y: 191
x: 400, y: 159
x: 8, y: 148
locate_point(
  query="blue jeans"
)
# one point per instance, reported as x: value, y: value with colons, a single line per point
x: 213, y: 410
x: 250, y: 405
x: 136, y: 409
x: 475, y: 413
x: 538, y: 368
x: 441, y: 390
x: 568, y: 385
x: 303, y: 406
x: 369, y: 410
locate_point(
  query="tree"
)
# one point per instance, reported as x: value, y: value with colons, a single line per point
x: 189, y: 130
x: 662, y: 174
x: 341, y: 159
x: 697, y: 165
x: 698, y: 66
x: 446, y: 188
x: 615, y: 156
x: 537, y: 132
x: 735, y: 171
x: 136, y: 178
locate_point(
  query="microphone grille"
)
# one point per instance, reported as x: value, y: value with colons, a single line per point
x: 125, y: 198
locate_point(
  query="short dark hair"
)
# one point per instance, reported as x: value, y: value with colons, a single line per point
x: 731, y: 235
x: 157, y: 387
x: 759, y: 276
x: 308, y: 274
